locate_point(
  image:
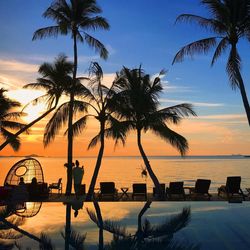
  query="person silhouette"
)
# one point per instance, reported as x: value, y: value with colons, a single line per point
x: 78, y: 173
x: 21, y: 181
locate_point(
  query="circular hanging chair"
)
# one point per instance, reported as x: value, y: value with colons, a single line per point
x: 28, y: 169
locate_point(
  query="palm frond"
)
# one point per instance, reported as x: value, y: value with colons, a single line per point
x: 46, y: 243
x: 94, y: 141
x: 207, y: 23
x: 114, y: 228
x: 220, y: 49
x: 95, y: 23
x: 173, y: 225
x: 46, y: 32
x: 200, y: 46
x: 15, y: 143
x: 55, y: 123
x: 79, y: 125
x: 76, y: 240
x: 175, y: 139
x: 97, y: 45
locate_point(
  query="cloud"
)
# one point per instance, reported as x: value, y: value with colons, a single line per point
x: 13, y: 65
x: 199, y: 104
x: 15, y: 74
x: 178, y: 89
x: 223, y: 117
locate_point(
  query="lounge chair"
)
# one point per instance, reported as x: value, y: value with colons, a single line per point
x: 56, y: 185
x: 231, y: 188
x: 201, y: 189
x: 108, y: 190
x: 139, y: 189
x: 163, y: 189
x: 176, y: 189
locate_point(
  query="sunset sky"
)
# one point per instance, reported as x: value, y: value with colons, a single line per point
x: 142, y: 32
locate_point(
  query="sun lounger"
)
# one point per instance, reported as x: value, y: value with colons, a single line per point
x: 201, y: 189
x: 175, y: 190
x: 107, y: 190
x: 139, y: 189
x: 232, y: 188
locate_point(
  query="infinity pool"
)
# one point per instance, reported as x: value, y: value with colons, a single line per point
x: 213, y: 225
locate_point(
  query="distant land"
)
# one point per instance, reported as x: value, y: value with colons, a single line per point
x: 32, y: 155
x: 138, y: 156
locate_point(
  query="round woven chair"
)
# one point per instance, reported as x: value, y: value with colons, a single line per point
x: 27, y: 169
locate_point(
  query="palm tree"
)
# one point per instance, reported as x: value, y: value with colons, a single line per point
x: 8, y: 120
x: 54, y: 81
x: 101, y: 100
x: 74, y: 18
x: 139, y: 107
x: 230, y: 22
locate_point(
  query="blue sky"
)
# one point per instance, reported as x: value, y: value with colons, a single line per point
x: 142, y: 32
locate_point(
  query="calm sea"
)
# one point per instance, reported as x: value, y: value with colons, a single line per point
x: 125, y: 171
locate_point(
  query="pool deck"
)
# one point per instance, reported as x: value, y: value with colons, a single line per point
x: 120, y: 197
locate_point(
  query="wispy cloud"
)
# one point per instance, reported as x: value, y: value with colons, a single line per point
x: 223, y: 117
x: 13, y: 65
x: 177, y: 89
x: 199, y: 104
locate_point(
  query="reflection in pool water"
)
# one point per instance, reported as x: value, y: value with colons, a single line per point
x: 213, y: 225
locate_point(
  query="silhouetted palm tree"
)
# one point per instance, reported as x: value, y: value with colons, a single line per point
x: 74, y: 17
x: 8, y: 120
x: 54, y: 81
x: 139, y: 106
x: 101, y: 100
x: 230, y: 22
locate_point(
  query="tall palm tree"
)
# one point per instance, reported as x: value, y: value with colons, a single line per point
x: 101, y: 100
x: 8, y: 120
x: 139, y: 106
x: 54, y: 81
x: 230, y: 22
x: 74, y: 17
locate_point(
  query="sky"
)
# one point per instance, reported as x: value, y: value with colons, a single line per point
x: 142, y: 32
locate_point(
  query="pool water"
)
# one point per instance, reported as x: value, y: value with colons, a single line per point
x: 213, y: 225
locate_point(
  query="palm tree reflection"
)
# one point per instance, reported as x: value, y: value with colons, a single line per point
x: 147, y: 236
x: 10, y: 222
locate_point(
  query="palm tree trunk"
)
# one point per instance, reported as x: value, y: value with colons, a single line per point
x: 68, y: 225
x: 70, y: 123
x: 241, y: 86
x: 100, y: 224
x: 3, y: 145
x: 244, y: 97
x: 97, y: 165
x: 147, y: 164
x: 139, y: 233
x: 70, y: 147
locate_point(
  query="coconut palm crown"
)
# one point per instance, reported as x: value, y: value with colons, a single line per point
x: 229, y: 21
x: 139, y: 107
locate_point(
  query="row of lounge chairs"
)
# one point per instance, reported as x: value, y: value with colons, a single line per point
x: 176, y: 190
